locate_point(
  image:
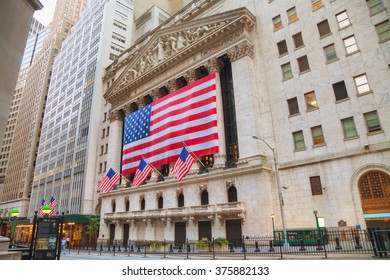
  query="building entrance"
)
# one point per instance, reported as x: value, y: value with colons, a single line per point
x: 374, y: 189
x: 234, y: 232
x: 180, y: 233
x: 204, y: 230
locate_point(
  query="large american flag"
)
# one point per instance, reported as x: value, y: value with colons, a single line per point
x: 40, y: 212
x: 183, y: 164
x: 109, y: 181
x: 157, y: 131
x: 53, y: 205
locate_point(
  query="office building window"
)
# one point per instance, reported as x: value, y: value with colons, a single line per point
x: 292, y: 15
x: 293, y: 106
x: 383, y: 30
x: 317, y: 4
x: 375, y: 6
x: 160, y: 203
x: 232, y: 194
x: 277, y: 22
x: 349, y: 128
x: 340, y: 91
x: 343, y: 20
x: 311, y: 101
x: 318, y: 135
x: 315, y: 184
x: 362, y: 85
x: 372, y: 121
x: 143, y: 204
x: 299, y: 141
x: 323, y: 28
x: 350, y: 45
x: 303, y: 64
x: 282, y: 47
x: 180, y: 200
x: 330, y: 53
x: 204, y: 198
x: 286, y: 71
x: 298, y: 41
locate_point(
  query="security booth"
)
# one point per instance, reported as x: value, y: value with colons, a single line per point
x: 308, y: 235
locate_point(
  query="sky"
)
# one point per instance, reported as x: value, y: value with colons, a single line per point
x: 45, y: 15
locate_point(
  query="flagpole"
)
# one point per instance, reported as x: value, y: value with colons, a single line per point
x: 155, y: 169
x: 196, y: 157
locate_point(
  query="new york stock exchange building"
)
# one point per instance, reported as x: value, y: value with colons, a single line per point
x: 284, y: 144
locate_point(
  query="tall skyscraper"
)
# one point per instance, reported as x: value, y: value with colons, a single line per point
x: 67, y: 154
x: 15, y: 23
x: 16, y: 190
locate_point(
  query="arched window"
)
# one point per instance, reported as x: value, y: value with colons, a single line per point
x: 232, y: 194
x: 180, y: 200
x: 143, y: 204
x: 204, y: 198
x: 160, y: 202
x: 127, y: 205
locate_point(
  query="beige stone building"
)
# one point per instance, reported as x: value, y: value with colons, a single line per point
x: 309, y: 79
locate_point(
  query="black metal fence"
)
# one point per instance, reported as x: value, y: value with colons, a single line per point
x: 353, y: 241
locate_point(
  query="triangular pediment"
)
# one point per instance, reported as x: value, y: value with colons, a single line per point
x: 166, y: 46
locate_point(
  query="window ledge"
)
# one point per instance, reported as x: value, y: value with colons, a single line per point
x: 300, y: 150
x: 333, y: 60
x: 319, y: 145
x: 311, y: 110
x: 318, y: 7
x: 352, y: 53
x: 384, y: 40
x: 286, y: 79
x: 351, y: 138
x: 375, y: 132
x: 342, y: 100
x: 345, y: 27
x: 277, y: 29
x: 294, y: 20
x: 378, y: 12
x: 300, y: 47
x: 304, y: 72
x: 364, y: 93
x: 294, y: 115
x: 326, y: 35
x: 281, y: 55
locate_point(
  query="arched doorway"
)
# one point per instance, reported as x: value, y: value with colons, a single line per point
x: 374, y: 190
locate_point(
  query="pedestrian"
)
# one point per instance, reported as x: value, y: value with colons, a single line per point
x: 63, y: 242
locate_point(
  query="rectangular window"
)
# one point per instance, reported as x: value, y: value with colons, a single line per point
x: 299, y: 141
x: 330, y: 53
x: 343, y: 20
x: 349, y: 128
x: 350, y: 45
x: 311, y: 101
x: 318, y: 135
x: 340, y: 91
x: 293, y: 106
x: 362, y: 85
x: 282, y: 47
x: 286, y: 71
x: 323, y: 28
x: 372, y: 121
x: 298, y: 41
x: 383, y: 30
x: 315, y: 184
x: 277, y: 22
x: 303, y: 64
x: 317, y: 4
x: 292, y: 15
x: 375, y: 6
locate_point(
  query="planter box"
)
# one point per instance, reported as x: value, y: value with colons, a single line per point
x: 203, y: 249
x: 158, y: 249
x: 220, y: 248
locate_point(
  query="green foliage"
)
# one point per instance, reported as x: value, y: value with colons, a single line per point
x: 156, y: 245
x: 94, y: 223
x: 204, y: 242
x: 221, y: 241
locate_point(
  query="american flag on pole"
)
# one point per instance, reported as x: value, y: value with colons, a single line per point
x: 142, y: 173
x: 40, y: 213
x: 109, y: 181
x: 157, y: 131
x: 183, y: 164
x: 53, y: 205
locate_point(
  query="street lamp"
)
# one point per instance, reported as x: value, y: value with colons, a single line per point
x: 317, y: 224
x: 286, y: 245
x: 273, y: 224
x: 14, y: 214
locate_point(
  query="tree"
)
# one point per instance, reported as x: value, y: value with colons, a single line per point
x: 93, y: 229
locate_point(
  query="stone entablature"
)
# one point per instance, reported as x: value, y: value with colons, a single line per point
x: 221, y: 211
x: 169, y: 47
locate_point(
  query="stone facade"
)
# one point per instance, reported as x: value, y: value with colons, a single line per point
x: 243, y: 34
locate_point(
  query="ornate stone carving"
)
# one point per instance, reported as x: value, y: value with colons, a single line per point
x: 171, y: 85
x: 190, y: 76
x: 240, y: 50
x: 214, y: 65
x: 156, y: 94
x: 115, y: 115
x: 230, y: 183
x: 202, y: 188
x: 158, y: 194
x: 179, y: 191
x: 141, y: 196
